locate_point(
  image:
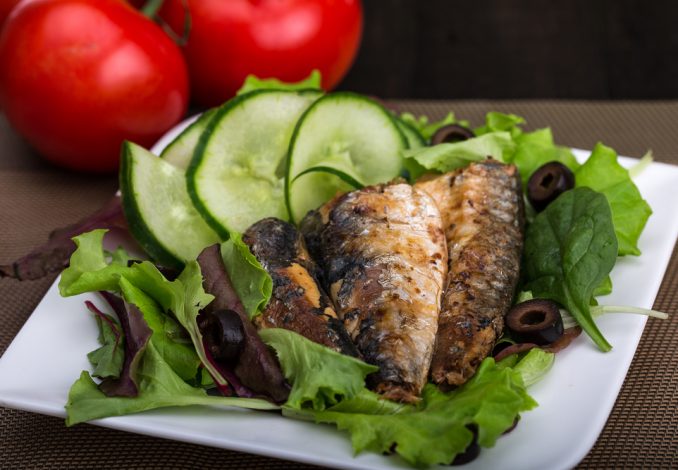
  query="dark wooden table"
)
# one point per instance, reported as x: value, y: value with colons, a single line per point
x: 642, y: 430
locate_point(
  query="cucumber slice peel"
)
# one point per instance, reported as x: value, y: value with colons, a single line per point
x: 342, y: 141
x: 234, y: 178
x: 180, y: 151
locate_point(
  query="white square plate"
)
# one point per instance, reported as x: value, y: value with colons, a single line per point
x: 575, y: 398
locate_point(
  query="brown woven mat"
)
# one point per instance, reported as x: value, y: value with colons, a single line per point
x: 35, y: 198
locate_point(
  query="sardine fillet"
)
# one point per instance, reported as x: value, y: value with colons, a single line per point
x: 298, y: 303
x: 384, y: 258
x: 483, y: 214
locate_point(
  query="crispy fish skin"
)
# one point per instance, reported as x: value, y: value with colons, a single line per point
x: 483, y: 213
x: 298, y: 303
x: 384, y: 258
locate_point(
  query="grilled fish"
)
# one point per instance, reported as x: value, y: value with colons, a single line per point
x: 483, y: 214
x: 383, y: 252
x: 298, y: 303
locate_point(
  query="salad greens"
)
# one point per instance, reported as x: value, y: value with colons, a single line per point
x: 450, y: 156
x: 425, y: 128
x: 252, y: 82
x: 326, y: 386
x: 570, y: 249
x: 108, y: 359
x: 319, y: 376
x: 436, y: 430
x: 603, y: 173
x: 250, y: 280
x: 154, y: 354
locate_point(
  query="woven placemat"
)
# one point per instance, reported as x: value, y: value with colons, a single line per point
x: 35, y: 198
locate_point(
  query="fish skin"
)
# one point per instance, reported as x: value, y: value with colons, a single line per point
x: 483, y: 213
x: 384, y: 258
x: 297, y: 303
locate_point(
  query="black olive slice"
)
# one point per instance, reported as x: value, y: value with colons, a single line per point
x: 451, y: 133
x: 536, y: 321
x: 471, y: 452
x: 223, y: 333
x: 547, y: 183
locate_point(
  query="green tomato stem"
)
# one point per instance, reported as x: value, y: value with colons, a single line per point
x: 151, y: 7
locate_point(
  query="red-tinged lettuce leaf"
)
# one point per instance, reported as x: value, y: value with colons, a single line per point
x: 53, y: 255
x: 257, y: 367
x: 436, y: 430
x: 320, y: 377
x: 159, y: 387
x: 137, y: 335
x: 109, y: 358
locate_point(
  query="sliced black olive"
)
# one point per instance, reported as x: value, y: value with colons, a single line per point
x: 547, y: 183
x: 513, y: 426
x: 535, y: 321
x: 451, y: 133
x: 223, y: 333
x: 471, y: 452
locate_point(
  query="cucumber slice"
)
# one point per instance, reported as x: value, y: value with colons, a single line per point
x: 236, y: 175
x: 180, y: 151
x: 347, y: 133
x: 158, y: 210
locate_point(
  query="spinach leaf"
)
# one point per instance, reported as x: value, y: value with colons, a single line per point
x: 602, y: 172
x: 570, y: 249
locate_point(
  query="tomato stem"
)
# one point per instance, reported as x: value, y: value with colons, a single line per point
x: 151, y: 7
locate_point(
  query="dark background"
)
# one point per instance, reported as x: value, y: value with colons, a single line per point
x: 596, y: 49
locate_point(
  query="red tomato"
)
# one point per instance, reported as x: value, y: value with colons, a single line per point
x: 5, y: 9
x: 285, y: 39
x: 77, y: 77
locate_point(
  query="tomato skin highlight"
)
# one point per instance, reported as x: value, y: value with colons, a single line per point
x: 77, y: 77
x: 285, y: 39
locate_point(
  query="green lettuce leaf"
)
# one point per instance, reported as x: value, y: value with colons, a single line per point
x: 88, y: 270
x: 181, y: 357
x: 570, y: 249
x: 425, y: 128
x: 534, y: 149
x: 192, y: 299
x: 500, y: 122
x: 250, y: 280
x: 533, y: 366
x: 159, y: 386
x: 254, y: 83
x: 319, y: 376
x: 108, y: 359
x: 436, y: 430
x: 450, y: 156
x: 603, y: 173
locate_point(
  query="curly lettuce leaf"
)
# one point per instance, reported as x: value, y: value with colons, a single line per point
x: 179, y: 356
x: 533, y: 365
x: 501, y: 122
x: 570, y: 249
x: 320, y: 377
x: 436, y: 430
x: 426, y: 128
x: 603, y: 173
x: 450, y: 156
x: 534, y: 149
x: 252, y: 82
x: 159, y: 386
x: 250, y: 280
